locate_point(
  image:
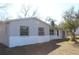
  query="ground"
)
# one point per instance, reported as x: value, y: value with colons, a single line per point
x: 54, y: 47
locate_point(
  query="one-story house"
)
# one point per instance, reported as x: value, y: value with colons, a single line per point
x: 25, y: 31
x: 77, y: 33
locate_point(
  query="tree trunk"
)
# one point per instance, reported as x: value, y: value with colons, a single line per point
x: 72, y: 36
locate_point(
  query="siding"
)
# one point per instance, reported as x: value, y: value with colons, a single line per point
x: 33, y: 24
x: 14, y: 32
x: 77, y: 31
x: 3, y: 34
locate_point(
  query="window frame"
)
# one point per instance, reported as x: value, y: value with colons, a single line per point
x: 51, y: 31
x: 41, y: 31
x: 57, y: 32
x: 26, y: 31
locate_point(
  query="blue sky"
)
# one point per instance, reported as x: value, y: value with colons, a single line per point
x: 52, y: 8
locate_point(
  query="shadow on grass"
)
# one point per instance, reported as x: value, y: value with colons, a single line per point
x: 34, y: 49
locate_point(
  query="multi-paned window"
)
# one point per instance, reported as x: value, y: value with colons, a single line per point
x: 57, y: 32
x: 41, y: 31
x: 51, y: 32
x: 24, y: 30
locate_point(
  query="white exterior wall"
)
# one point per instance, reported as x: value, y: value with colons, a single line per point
x: 14, y: 32
x: 14, y: 27
x: 3, y: 34
x: 55, y: 36
x: 20, y: 41
x: 77, y: 31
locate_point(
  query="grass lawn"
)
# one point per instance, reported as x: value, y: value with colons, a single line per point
x: 54, y: 47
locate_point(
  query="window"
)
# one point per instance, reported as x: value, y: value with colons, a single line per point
x: 57, y: 32
x: 41, y: 31
x: 24, y: 30
x: 51, y: 32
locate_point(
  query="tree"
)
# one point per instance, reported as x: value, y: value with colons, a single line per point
x: 51, y: 20
x: 34, y: 13
x: 3, y: 11
x: 52, y: 26
x: 70, y: 23
x: 26, y: 12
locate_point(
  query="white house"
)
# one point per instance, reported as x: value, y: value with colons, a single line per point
x: 27, y: 31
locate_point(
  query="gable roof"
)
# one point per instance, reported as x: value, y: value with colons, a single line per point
x: 34, y: 18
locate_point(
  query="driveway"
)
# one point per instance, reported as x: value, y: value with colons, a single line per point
x: 54, y: 47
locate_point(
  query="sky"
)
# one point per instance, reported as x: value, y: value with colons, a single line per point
x: 45, y: 8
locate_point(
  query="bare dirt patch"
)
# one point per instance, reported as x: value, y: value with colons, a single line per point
x: 54, y: 47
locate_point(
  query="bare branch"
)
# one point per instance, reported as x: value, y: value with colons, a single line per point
x: 24, y: 12
x: 3, y: 11
x: 27, y: 12
x: 34, y: 13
